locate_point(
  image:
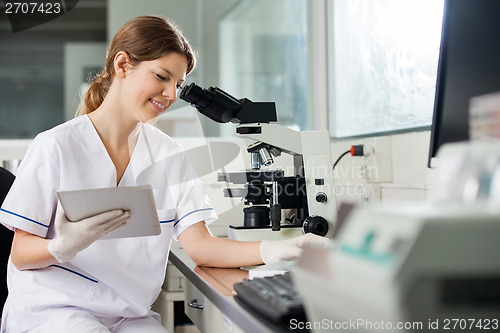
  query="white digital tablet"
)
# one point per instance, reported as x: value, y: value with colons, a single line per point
x: 139, y: 200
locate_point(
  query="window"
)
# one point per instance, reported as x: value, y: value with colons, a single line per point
x: 383, y: 57
x: 263, y: 56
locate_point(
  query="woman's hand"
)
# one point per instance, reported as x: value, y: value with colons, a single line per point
x: 289, y: 249
x: 72, y: 237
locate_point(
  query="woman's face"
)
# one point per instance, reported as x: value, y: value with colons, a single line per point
x: 153, y: 86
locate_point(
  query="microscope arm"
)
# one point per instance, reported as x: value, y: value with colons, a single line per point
x: 284, y: 138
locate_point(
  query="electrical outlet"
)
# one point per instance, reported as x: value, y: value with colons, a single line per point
x: 377, y: 164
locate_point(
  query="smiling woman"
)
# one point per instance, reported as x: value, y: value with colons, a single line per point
x: 109, y: 286
x: 145, y: 89
x: 109, y: 145
x: 136, y: 50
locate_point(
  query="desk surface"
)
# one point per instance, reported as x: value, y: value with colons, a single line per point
x: 217, y: 285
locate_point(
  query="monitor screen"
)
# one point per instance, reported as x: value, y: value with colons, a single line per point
x: 469, y: 66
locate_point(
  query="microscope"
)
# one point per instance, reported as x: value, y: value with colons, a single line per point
x: 308, y: 193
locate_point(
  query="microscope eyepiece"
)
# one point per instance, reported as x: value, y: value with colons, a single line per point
x: 212, y: 102
x: 191, y: 93
x: 221, y: 107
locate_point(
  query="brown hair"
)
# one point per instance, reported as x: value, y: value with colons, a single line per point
x: 144, y: 38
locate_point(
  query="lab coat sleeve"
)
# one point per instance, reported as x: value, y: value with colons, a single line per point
x: 193, y: 204
x: 32, y: 199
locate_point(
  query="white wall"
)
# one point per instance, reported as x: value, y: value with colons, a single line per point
x: 409, y: 176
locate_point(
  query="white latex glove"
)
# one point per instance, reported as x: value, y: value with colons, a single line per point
x: 72, y: 237
x: 288, y: 249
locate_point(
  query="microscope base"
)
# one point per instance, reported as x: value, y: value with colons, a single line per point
x: 264, y: 233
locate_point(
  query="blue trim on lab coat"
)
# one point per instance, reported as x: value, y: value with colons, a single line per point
x: 72, y: 271
x: 23, y: 217
x: 194, y: 211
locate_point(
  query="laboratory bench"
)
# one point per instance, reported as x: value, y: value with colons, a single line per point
x: 208, y: 298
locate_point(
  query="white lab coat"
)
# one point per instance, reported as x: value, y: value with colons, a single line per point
x: 111, y: 278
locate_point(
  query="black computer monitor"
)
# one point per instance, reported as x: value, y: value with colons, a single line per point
x: 469, y: 66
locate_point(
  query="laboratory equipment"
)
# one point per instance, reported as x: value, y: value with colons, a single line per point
x: 484, y: 117
x: 467, y: 172
x: 227, y: 153
x: 308, y: 192
x: 421, y: 267
x: 273, y: 297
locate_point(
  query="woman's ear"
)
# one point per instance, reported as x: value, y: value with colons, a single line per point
x: 121, y: 64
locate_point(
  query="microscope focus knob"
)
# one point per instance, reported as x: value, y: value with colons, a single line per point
x: 316, y: 225
x: 321, y: 197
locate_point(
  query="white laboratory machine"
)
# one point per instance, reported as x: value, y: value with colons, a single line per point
x: 420, y: 268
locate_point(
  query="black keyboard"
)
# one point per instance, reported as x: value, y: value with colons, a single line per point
x: 272, y: 297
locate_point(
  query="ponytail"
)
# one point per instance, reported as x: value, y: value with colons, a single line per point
x: 95, y: 94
